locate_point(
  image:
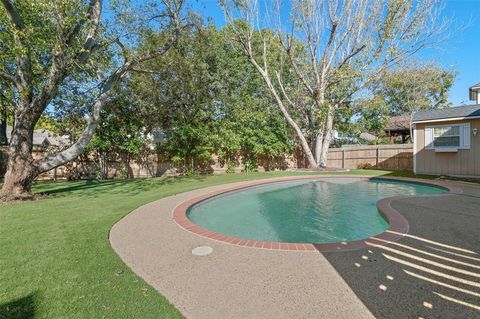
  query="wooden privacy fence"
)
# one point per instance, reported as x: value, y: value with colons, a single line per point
x: 391, y: 156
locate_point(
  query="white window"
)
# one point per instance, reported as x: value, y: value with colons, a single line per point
x: 446, y: 136
x: 451, y: 137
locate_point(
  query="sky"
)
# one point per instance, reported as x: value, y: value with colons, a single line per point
x: 460, y: 53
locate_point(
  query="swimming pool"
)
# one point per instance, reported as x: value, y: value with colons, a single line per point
x: 320, y: 210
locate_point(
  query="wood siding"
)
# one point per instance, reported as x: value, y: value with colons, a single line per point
x: 464, y: 162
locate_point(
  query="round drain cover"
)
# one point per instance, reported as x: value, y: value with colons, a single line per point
x: 202, y: 251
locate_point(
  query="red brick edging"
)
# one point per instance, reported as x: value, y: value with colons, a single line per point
x: 397, y: 229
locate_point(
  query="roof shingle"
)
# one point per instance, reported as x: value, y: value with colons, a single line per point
x: 447, y: 113
x: 43, y: 138
x: 476, y: 86
x: 398, y: 123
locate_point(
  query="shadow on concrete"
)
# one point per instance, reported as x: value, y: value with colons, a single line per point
x: 433, y: 272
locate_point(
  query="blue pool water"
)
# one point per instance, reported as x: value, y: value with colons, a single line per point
x: 323, y: 210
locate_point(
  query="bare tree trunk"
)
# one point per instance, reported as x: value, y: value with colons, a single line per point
x: 327, y: 137
x: 3, y: 127
x: 36, y: 91
x: 21, y: 168
x: 318, y: 145
x: 326, y: 38
x: 323, y: 128
x: 303, y: 141
x: 102, y: 165
x: 128, y: 168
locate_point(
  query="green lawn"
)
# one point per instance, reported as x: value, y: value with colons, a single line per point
x: 56, y: 260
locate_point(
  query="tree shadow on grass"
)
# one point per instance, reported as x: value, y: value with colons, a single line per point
x: 22, y: 308
x: 95, y: 188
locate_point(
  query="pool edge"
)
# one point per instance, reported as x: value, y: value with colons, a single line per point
x: 398, y: 225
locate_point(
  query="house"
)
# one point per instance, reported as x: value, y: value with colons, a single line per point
x: 447, y: 141
x: 474, y: 93
x: 367, y: 137
x: 341, y: 138
x: 43, y: 138
x: 398, y: 129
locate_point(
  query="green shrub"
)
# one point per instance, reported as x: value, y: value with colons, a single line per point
x: 230, y: 168
x: 122, y: 173
x: 364, y: 166
x: 250, y: 166
x: 190, y: 171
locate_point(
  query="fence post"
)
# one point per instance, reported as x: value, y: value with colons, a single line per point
x: 376, y: 158
x: 343, y: 158
x: 398, y: 160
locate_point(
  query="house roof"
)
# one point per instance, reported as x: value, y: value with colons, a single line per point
x: 367, y: 137
x: 457, y: 112
x: 475, y: 87
x: 398, y: 123
x: 42, y: 138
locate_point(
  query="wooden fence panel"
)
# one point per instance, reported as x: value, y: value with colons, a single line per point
x: 391, y: 156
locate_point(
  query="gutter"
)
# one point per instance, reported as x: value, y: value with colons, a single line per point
x: 448, y: 119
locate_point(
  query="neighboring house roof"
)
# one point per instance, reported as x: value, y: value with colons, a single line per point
x: 367, y: 137
x: 398, y: 123
x: 475, y: 87
x: 473, y: 92
x: 342, y: 136
x: 458, y: 112
x: 43, y: 138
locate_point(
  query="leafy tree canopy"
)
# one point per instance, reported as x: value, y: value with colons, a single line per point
x: 404, y: 90
x: 208, y: 100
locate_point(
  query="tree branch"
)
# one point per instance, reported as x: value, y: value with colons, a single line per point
x: 106, y: 89
x: 94, y: 15
x: 24, y: 73
x: 351, y: 55
x: 58, y: 69
x: 13, y: 14
x: 163, y: 49
x: 299, y: 74
x: 53, y: 160
x: 287, y: 98
x: 7, y: 77
x: 144, y: 71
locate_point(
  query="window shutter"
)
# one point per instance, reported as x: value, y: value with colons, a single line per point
x: 428, y: 137
x: 466, y: 135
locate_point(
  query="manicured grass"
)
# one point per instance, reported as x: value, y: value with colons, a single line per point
x: 56, y: 260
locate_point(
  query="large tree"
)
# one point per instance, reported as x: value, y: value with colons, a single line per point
x: 414, y: 88
x: 335, y: 49
x: 49, y: 46
x: 209, y: 100
x: 405, y: 90
x: 120, y: 134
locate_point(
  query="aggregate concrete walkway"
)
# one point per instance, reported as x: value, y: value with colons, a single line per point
x: 241, y: 282
x: 233, y: 281
x: 434, y: 272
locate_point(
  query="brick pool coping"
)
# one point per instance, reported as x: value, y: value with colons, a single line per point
x: 398, y: 225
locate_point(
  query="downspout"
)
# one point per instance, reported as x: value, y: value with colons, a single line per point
x: 414, y: 140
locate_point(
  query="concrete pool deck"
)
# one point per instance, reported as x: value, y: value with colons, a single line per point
x: 416, y: 277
